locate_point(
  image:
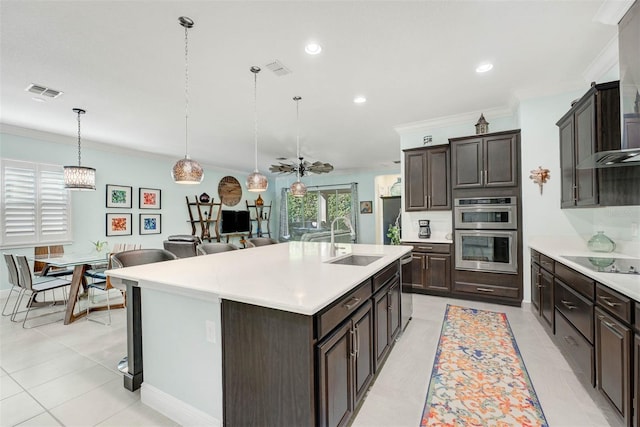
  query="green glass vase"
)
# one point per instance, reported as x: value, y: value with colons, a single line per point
x: 601, y: 243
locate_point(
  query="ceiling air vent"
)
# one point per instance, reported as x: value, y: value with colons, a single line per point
x: 278, y: 68
x: 44, y: 91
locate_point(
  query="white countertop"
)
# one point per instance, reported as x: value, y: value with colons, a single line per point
x: 291, y: 276
x: 626, y: 284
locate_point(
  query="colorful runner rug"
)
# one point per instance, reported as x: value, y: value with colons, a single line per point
x: 478, y: 376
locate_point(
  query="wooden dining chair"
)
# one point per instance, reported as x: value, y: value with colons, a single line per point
x: 34, y: 286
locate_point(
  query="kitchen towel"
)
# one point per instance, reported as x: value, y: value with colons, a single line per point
x: 478, y: 377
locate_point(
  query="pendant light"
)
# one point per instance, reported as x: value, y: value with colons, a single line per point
x: 186, y: 171
x: 298, y: 189
x: 79, y: 177
x: 256, y: 182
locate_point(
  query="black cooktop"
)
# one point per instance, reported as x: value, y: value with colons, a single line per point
x: 606, y: 264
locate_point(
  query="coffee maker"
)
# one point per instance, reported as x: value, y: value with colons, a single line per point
x: 425, y: 230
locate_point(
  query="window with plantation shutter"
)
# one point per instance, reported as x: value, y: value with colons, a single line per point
x: 35, y: 205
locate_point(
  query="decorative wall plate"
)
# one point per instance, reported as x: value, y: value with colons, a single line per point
x: 229, y: 191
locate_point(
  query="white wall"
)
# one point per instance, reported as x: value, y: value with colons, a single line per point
x: 131, y: 169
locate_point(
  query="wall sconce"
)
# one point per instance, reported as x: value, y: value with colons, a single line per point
x: 540, y: 176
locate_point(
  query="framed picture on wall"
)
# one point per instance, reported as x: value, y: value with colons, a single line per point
x: 150, y: 223
x: 150, y: 198
x: 118, y: 196
x: 119, y: 224
x: 366, y: 207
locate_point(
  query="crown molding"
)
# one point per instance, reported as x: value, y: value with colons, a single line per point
x: 457, y: 119
x: 608, y: 58
x: 87, y: 143
x: 612, y: 11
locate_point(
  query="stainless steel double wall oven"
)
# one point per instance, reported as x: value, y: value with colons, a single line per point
x: 486, y: 234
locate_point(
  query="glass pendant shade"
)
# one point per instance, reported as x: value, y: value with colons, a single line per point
x: 187, y: 171
x: 256, y: 182
x: 298, y: 189
x: 79, y: 178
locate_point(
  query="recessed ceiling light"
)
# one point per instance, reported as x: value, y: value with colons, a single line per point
x: 37, y: 99
x: 313, y: 48
x: 359, y: 99
x: 483, y: 68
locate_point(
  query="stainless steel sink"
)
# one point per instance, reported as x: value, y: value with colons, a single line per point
x: 361, y: 260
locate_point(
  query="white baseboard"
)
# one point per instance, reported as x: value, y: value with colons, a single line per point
x: 177, y: 410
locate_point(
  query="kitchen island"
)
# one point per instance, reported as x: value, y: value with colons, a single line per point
x: 274, y: 335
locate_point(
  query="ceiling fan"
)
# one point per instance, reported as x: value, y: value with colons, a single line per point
x: 303, y: 167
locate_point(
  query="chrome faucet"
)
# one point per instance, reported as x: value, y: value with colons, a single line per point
x: 347, y: 221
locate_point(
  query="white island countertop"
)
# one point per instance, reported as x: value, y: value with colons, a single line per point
x: 292, y: 276
x: 626, y: 284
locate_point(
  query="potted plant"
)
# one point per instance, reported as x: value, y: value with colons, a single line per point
x: 394, y: 231
x: 99, y: 245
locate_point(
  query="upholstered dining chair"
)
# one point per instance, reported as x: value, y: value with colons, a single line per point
x: 262, y: 241
x: 182, y: 245
x: 214, y: 248
x: 34, y: 286
x: 13, y: 280
x: 138, y: 257
x: 100, y: 281
x: 141, y: 257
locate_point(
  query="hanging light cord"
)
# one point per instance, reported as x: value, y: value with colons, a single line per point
x: 297, y: 98
x: 79, y: 163
x: 255, y: 114
x: 186, y: 92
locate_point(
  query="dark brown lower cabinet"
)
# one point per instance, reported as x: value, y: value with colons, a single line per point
x: 546, y: 296
x: 613, y: 362
x: 345, y: 368
x: 431, y: 269
x: 636, y: 352
x: 387, y: 318
x: 535, y: 287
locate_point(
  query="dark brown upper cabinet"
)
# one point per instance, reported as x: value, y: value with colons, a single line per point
x: 485, y: 161
x: 592, y: 125
x: 427, y: 182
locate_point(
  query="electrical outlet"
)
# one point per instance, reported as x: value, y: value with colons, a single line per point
x: 634, y: 229
x: 427, y: 139
x: 210, y: 327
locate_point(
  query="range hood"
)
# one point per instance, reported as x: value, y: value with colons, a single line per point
x: 628, y: 42
x: 611, y: 159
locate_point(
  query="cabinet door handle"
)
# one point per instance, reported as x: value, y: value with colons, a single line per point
x: 428, y: 201
x: 568, y: 304
x: 607, y: 301
x: 484, y: 290
x: 357, y: 342
x: 609, y: 324
x: 424, y: 263
x: 570, y: 341
x: 351, y: 303
x: 425, y: 248
x: 353, y: 352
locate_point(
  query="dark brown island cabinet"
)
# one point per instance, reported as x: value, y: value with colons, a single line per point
x: 485, y: 161
x: 592, y: 125
x: 427, y: 179
x: 594, y: 328
x: 300, y: 370
x: 431, y: 268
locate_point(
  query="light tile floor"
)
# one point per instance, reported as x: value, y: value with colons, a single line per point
x: 66, y: 375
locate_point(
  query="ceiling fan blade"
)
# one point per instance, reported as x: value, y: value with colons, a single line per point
x: 282, y: 168
x: 319, y: 167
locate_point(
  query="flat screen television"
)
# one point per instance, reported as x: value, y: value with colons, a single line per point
x: 235, y: 222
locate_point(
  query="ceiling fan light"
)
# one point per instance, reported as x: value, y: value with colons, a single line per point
x: 187, y: 171
x: 298, y: 189
x: 256, y: 182
x: 79, y: 178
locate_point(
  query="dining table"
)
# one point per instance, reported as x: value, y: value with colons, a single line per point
x: 81, y: 262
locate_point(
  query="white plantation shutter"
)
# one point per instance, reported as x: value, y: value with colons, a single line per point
x: 35, y: 205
